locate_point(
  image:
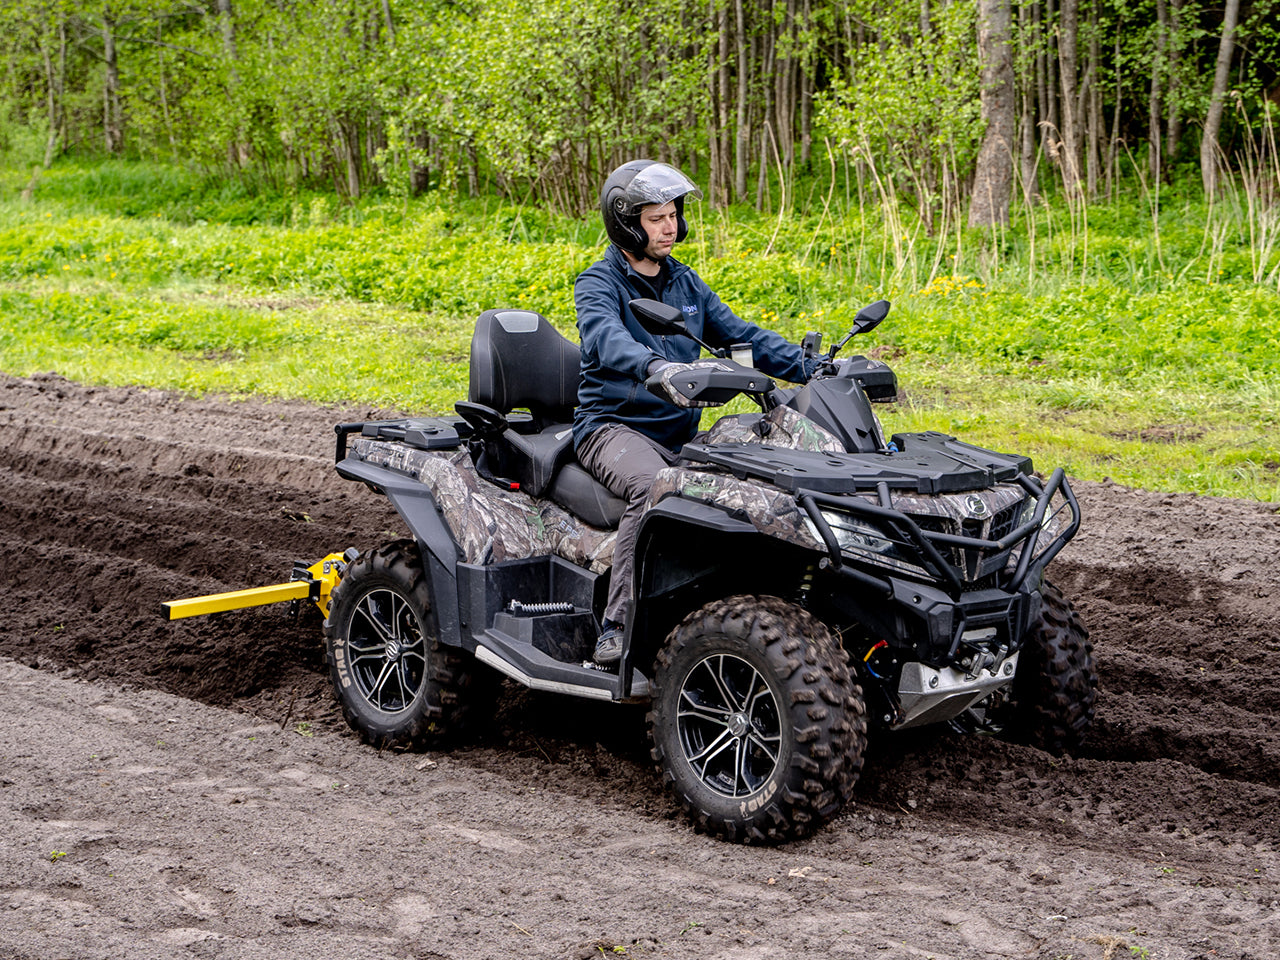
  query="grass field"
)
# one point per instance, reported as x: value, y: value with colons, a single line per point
x: 1137, y: 340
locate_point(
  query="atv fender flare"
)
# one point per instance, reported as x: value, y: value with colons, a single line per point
x: 698, y: 513
x: 440, y: 553
x: 655, y: 530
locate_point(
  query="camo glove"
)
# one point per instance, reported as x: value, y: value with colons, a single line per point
x: 670, y: 371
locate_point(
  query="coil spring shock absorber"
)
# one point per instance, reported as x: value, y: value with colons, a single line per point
x: 516, y: 608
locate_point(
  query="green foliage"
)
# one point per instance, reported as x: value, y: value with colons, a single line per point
x: 21, y: 144
x: 1107, y: 330
x: 910, y: 109
x: 1133, y: 350
x: 539, y: 100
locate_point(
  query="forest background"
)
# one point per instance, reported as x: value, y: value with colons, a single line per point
x: 1072, y: 204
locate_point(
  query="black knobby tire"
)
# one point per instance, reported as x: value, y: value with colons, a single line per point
x: 1056, y: 687
x: 757, y: 725
x: 397, y: 684
x: 1057, y: 682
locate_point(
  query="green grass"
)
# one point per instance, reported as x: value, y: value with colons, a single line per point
x: 1144, y: 350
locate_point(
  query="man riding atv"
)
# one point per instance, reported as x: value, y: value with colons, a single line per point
x: 622, y: 433
x: 796, y: 582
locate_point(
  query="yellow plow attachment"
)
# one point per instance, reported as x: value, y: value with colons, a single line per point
x: 314, y: 582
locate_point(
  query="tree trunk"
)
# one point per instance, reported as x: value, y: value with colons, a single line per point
x: 388, y: 20
x: 767, y: 114
x: 164, y: 92
x: 112, y: 113
x: 723, y: 97
x: 1042, y: 77
x: 1068, y: 65
x: 351, y: 154
x: 238, y: 152
x: 993, y: 179
x: 1173, y: 116
x: 1154, y: 102
x: 1093, y: 111
x: 54, y: 76
x: 227, y: 25
x: 1053, y: 134
x: 419, y: 172
x: 1217, y: 100
x: 1113, y: 145
x: 762, y: 178
x: 804, y: 89
x: 1027, y: 121
x: 743, y: 132
x: 784, y: 95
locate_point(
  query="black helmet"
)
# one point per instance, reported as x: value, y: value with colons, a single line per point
x: 634, y: 186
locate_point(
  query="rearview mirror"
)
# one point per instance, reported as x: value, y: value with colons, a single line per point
x: 659, y: 318
x: 870, y: 315
x: 867, y: 319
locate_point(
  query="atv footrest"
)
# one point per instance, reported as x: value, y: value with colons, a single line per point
x: 523, y: 662
x: 567, y: 637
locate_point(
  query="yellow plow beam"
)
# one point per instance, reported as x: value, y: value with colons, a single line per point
x: 314, y: 582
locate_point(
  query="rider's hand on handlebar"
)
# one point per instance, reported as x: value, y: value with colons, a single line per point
x: 668, y: 373
x: 835, y: 368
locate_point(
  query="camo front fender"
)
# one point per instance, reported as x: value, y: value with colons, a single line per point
x: 771, y: 511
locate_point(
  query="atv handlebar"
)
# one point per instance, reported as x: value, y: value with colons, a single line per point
x: 708, y: 386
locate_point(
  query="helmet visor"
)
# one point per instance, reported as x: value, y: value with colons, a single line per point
x: 657, y: 183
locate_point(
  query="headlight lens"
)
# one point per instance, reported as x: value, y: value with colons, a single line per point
x: 1048, y: 524
x: 854, y: 536
x: 1028, y: 511
x: 860, y: 540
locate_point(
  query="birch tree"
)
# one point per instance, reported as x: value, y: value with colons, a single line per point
x: 1209, y: 149
x: 993, y: 177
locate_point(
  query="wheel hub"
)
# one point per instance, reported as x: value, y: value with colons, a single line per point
x: 387, y: 651
x: 730, y: 725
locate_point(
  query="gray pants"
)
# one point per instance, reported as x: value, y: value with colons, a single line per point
x: 624, y: 461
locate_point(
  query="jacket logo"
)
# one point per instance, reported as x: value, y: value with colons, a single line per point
x: 690, y: 309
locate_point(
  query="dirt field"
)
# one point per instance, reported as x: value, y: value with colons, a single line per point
x: 189, y: 790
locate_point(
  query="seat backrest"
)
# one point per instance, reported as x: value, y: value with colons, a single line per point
x: 518, y: 359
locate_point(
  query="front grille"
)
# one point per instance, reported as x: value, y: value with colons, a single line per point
x: 947, y: 517
x: 1005, y: 521
x: 967, y: 540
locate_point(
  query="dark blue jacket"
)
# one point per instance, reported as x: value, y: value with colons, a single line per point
x: 617, y: 351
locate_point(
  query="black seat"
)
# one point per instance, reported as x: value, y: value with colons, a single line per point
x: 518, y: 359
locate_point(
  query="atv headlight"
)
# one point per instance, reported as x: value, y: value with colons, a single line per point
x: 854, y: 536
x: 862, y: 541
x: 1049, y: 523
x: 1028, y: 511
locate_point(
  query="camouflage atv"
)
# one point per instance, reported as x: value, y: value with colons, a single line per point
x: 799, y: 579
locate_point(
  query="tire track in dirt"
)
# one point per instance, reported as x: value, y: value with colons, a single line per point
x: 119, y: 499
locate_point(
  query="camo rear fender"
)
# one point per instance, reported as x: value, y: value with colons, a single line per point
x: 416, y: 507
